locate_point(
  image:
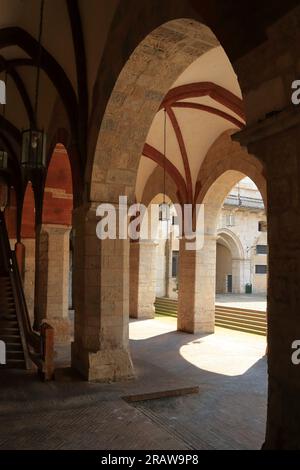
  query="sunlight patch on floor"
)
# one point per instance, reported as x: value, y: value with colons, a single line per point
x: 145, y: 329
x: 226, y: 352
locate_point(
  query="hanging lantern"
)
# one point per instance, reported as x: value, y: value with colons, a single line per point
x: 34, y: 140
x: 3, y: 159
x: 164, y: 212
x: 33, y: 149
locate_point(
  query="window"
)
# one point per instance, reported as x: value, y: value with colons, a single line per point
x: 260, y: 269
x: 262, y: 226
x: 175, y: 220
x: 175, y: 258
x: 230, y: 220
x: 261, y: 249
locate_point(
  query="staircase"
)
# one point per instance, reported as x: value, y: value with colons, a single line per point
x: 165, y: 307
x: 9, y: 326
x: 12, y: 330
x: 24, y: 347
x: 241, y: 319
x: 249, y: 321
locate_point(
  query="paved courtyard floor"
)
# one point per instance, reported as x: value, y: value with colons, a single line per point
x: 229, y: 411
x: 249, y: 301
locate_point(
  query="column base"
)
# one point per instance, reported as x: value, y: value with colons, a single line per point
x: 108, y: 365
x: 197, y: 328
x: 144, y: 314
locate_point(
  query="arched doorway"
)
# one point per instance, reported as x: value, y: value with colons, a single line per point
x: 230, y: 271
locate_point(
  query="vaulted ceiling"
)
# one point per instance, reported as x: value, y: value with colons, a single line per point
x: 203, y: 103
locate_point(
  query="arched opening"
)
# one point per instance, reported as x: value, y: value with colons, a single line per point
x: 123, y: 65
x: 199, y: 99
x: 224, y: 281
x: 198, y: 90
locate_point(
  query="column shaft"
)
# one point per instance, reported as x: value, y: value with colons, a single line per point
x: 101, y: 300
x: 197, y: 279
x: 29, y: 274
x: 52, y: 272
x: 142, y: 279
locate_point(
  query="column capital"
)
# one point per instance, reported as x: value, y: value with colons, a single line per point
x: 275, y: 124
x: 54, y: 228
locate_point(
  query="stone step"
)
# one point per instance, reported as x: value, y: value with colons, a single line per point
x: 165, y: 309
x: 13, y: 354
x: 9, y: 338
x: 14, y: 346
x: 240, y: 321
x: 14, y: 364
x: 237, y: 309
x: 246, y: 316
x: 8, y: 323
x: 245, y: 329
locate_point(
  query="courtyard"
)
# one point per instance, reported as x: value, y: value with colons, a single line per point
x: 228, y: 412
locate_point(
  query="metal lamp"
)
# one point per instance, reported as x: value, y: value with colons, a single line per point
x: 33, y: 139
x: 33, y: 149
x: 3, y: 159
x: 164, y: 212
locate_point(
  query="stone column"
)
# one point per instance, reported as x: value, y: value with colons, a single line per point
x: 276, y: 142
x: 168, y: 273
x: 29, y: 274
x: 197, y: 280
x: 142, y: 279
x: 101, y: 300
x: 237, y: 276
x: 52, y: 274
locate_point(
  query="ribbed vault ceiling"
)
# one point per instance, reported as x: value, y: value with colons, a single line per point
x: 204, y: 102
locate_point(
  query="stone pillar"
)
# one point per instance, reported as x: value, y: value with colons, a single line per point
x: 142, y: 279
x: 101, y: 300
x: 52, y: 274
x: 238, y: 276
x: 276, y: 142
x: 29, y: 274
x: 168, y: 273
x: 197, y: 284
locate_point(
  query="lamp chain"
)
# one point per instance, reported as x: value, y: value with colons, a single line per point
x: 165, y: 150
x: 39, y: 59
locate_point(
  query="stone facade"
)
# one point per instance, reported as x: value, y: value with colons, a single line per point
x: 238, y: 235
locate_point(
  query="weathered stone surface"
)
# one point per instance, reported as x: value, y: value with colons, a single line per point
x: 52, y: 279
x: 142, y: 279
x: 101, y: 301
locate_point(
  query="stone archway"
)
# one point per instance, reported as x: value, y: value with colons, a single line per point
x: 140, y: 88
x: 196, y: 300
x: 148, y: 75
x: 228, y: 240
